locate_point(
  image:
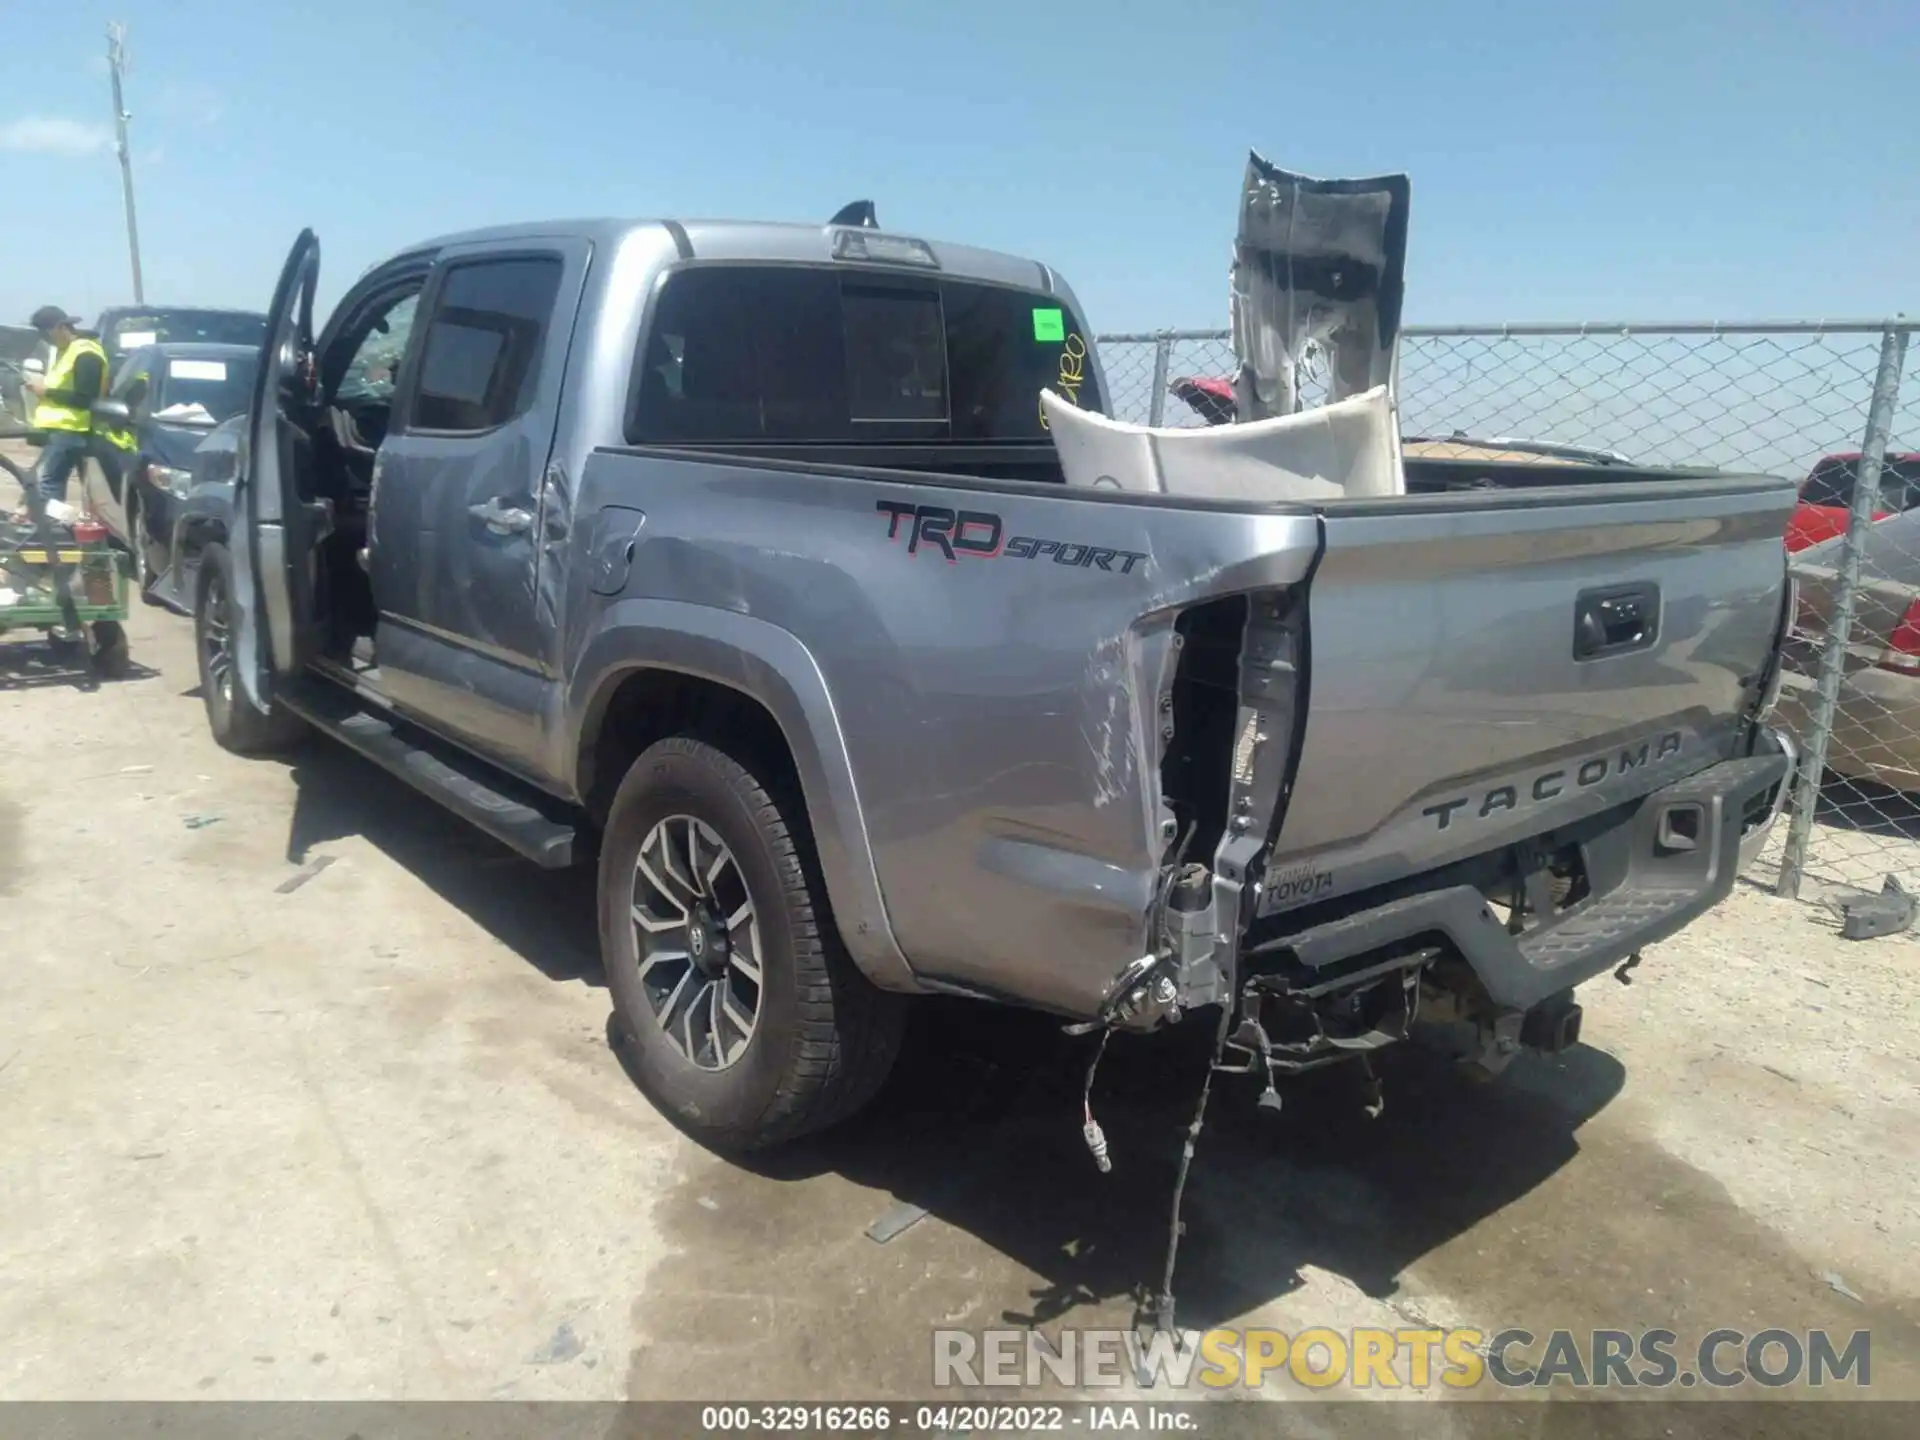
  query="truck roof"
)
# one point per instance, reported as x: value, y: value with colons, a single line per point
x: 773, y: 241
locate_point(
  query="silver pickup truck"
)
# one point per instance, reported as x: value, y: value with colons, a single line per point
x: 741, y: 557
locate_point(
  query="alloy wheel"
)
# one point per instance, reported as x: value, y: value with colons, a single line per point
x: 214, y: 639
x: 698, y: 933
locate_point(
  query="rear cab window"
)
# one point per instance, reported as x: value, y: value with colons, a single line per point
x: 768, y: 354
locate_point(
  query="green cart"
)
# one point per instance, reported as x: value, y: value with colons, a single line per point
x: 68, y: 583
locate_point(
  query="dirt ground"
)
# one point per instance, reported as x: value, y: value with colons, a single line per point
x: 305, y: 1091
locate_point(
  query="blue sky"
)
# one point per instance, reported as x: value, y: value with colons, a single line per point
x: 1694, y: 158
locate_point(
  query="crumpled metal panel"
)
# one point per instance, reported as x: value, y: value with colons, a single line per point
x: 1319, y: 272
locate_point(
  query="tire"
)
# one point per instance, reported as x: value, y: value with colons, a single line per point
x: 822, y: 1037
x: 112, y: 656
x: 236, y: 722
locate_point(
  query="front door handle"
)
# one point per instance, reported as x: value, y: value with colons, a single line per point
x: 502, y: 520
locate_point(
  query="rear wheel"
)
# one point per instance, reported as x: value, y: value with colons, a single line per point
x: 236, y: 722
x: 746, y: 1021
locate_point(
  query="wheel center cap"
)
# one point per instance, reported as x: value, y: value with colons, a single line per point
x: 706, y: 947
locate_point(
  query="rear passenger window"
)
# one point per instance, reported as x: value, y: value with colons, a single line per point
x: 480, y: 362
x: 762, y: 354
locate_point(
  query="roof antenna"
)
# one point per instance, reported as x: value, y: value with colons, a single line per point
x: 859, y: 215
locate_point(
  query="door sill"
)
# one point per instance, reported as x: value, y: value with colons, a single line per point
x: 534, y: 825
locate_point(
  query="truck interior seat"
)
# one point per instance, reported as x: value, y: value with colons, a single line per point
x: 1347, y: 450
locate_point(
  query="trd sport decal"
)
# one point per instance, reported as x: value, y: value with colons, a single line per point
x: 957, y: 533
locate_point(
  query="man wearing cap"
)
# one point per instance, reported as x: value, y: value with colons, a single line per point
x: 77, y: 378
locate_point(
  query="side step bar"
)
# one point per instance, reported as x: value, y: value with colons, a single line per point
x: 465, y: 786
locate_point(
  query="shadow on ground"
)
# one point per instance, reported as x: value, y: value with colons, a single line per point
x: 981, y: 1125
x: 545, y: 916
x: 27, y: 664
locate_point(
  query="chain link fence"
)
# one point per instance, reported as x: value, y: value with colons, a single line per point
x: 1823, y: 403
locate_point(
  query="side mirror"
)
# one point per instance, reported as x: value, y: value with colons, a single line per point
x: 112, y: 412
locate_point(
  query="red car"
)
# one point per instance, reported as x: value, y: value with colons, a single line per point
x: 1826, y: 496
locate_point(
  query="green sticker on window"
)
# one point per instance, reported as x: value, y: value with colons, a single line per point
x: 1049, y: 325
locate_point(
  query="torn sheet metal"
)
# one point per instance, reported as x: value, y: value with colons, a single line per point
x: 1319, y: 271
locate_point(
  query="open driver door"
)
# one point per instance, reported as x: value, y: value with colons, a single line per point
x: 274, y: 564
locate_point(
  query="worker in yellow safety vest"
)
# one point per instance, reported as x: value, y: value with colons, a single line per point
x: 65, y: 396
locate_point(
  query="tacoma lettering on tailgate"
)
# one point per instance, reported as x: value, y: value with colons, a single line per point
x: 1551, y: 783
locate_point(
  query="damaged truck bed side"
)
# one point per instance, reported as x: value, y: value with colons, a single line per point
x: 756, y: 571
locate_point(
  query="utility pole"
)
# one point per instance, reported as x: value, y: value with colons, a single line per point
x: 116, y: 62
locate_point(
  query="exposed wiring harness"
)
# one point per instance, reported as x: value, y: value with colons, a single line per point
x: 1176, y: 1226
x: 1096, y: 1138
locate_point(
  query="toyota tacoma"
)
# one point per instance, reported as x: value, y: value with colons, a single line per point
x: 779, y: 571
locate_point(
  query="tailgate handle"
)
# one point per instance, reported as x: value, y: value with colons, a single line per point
x: 1615, y: 620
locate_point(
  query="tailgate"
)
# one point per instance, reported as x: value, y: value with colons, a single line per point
x: 1482, y: 668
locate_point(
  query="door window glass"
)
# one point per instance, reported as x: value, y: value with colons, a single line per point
x: 371, y: 373
x: 480, y: 363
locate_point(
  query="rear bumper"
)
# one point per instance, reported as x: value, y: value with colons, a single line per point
x: 1673, y: 856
